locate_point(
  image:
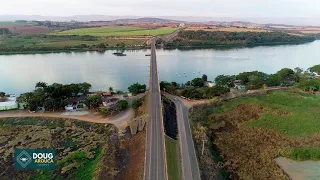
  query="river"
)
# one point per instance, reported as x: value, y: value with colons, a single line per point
x: 19, y: 73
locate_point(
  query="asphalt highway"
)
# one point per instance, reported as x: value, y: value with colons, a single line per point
x: 190, y: 168
x: 155, y: 168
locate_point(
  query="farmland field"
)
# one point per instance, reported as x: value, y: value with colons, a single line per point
x: 250, y: 132
x: 117, y: 31
x: 22, y: 43
x: 9, y: 23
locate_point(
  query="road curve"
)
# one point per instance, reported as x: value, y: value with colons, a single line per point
x: 190, y: 168
x: 155, y: 168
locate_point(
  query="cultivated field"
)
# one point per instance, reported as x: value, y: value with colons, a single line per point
x: 301, y: 29
x: 227, y: 29
x: 117, y: 31
x: 249, y: 133
x: 28, y: 43
x: 24, y: 28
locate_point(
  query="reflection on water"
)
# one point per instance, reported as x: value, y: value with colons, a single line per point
x: 19, y: 73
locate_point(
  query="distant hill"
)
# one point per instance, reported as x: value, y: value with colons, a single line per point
x: 166, y: 19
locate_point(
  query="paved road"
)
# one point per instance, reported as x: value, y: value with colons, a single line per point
x: 190, y: 168
x: 155, y: 168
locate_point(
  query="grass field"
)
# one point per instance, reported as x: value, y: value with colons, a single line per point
x: 173, y: 159
x: 302, y: 154
x: 250, y: 132
x: 117, y: 31
x: 30, y: 43
x: 303, y: 110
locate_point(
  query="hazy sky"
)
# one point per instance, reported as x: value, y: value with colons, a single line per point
x: 222, y: 8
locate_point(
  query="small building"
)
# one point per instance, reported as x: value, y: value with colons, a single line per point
x: 76, y: 104
x: 240, y: 87
x: 209, y: 84
x: 107, y: 94
x: 237, y: 83
x: 110, y: 102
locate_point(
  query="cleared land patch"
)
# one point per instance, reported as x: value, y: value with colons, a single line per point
x: 117, y: 31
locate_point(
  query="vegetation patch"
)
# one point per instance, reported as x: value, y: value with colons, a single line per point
x: 303, y: 154
x: 117, y: 31
x: 173, y: 159
x: 250, y: 132
x: 80, y: 147
x: 230, y: 39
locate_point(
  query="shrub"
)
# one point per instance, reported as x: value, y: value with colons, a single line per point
x: 122, y: 104
x: 136, y: 103
x: 104, y: 112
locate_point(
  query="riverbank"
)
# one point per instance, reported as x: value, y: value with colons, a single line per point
x: 68, y: 51
x: 192, y: 39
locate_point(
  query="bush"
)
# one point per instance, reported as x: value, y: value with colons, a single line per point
x: 93, y: 101
x: 136, y: 103
x: 104, y: 112
x: 312, y: 84
x: 122, y: 104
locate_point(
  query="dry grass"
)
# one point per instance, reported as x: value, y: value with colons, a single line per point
x: 79, y: 147
x: 302, y: 29
x: 249, y: 152
x: 135, y: 166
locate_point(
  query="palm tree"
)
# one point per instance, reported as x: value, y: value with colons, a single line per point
x: 110, y: 89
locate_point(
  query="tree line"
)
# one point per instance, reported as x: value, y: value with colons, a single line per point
x: 53, y: 96
x: 221, y: 38
x: 285, y: 77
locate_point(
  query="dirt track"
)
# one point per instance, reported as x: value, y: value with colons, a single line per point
x: 119, y: 120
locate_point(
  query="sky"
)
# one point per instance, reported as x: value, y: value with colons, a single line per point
x: 209, y: 8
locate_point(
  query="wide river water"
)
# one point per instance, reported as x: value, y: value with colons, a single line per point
x: 19, y: 73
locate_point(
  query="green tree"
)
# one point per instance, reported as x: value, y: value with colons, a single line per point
x: 101, y: 46
x: 255, y: 82
x: 197, y: 82
x: 111, y: 89
x: 204, y: 77
x: 286, y: 74
x: 2, y: 94
x: 137, y: 88
x: 136, y: 103
x: 41, y: 85
x: 225, y: 80
x: 310, y: 84
x: 315, y: 69
x: 298, y: 70
x: 122, y: 104
x: 85, y: 87
x: 93, y: 101
x: 274, y: 80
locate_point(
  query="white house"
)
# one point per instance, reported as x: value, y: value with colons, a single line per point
x: 209, y: 84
